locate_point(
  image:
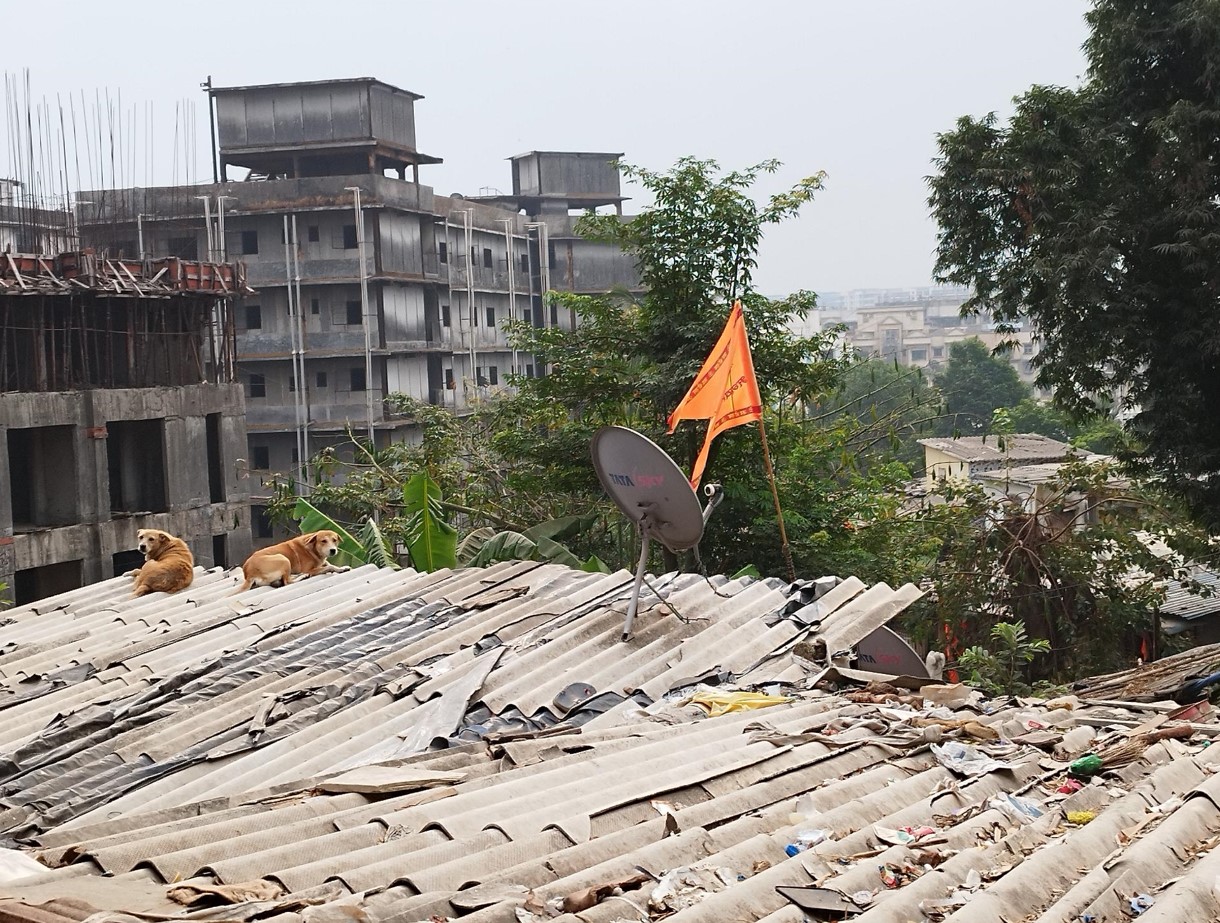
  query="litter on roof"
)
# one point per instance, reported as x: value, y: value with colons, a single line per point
x: 480, y: 745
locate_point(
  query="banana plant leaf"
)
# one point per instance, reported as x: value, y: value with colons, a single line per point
x: 431, y: 542
x: 561, y: 528
x: 377, y: 546
x: 473, y: 543
x: 311, y: 519
x: 517, y: 546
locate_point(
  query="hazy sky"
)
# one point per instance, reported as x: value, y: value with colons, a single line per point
x: 857, y: 88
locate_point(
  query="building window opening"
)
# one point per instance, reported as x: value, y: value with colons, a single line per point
x: 216, y: 477
x: 315, y: 306
x: 254, y: 317
x: 355, y: 314
x: 312, y: 234
x: 491, y: 318
x: 450, y: 382
x: 257, y: 386
x: 349, y: 237
x: 260, y: 523
x: 42, y: 477
x: 442, y: 250
x: 135, y: 452
x: 487, y: 260
x: 359, y: 382
x: 444, y: 315
x: 260, y: 457
x: 36, y: 583
x: 249, y: 242
x: 320, y: 379
x: 493, y: 375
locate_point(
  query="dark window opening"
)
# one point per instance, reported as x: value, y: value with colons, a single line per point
x: 296, y: 455
x: 525, y: 262
x: 474, y: 316
x: 42, y: 476
x: 136, y: 454
x: 528, y: 316
x: 479, y: 378
x: 450, y: 383
x: 185, y: 248
x: 313, y: 235
x: 554, y: 315
x: 220, y: 551
x: 491, y: 317
x: 315, y: 306
x: 529, y: 370
x: 320, y: 379
x: 359, y: 382
x: 249, y: 242
x: 444, y: 315
x: 260, y: 457
x: 40, y: 582
x: 355, y: 314
x: 254, y: 317
x: 125, y: 561
x: 493, y: 375
x: 487, y: 257
x: 257, y: 386
x: 349, y: 237
x: 292, y: 383
x: 260, y: 523
x: 216, y: 476
x: 442, y: 250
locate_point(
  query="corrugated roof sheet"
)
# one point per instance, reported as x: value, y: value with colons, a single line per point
x: 478, y: 744
x: 1027, y: 447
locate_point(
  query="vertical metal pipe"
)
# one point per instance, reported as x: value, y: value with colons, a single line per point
x: 302, y: 380
x: 468, y: 226
x: 292, y: 339
x: 364, y: 303
x: 140, y: 235
x: 207, y: 223
x: 512, y: 280
x: 222, y: 247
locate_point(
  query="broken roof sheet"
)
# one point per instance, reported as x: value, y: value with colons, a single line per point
x: 214, y: 757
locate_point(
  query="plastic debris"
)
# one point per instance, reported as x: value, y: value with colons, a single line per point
x: 1140, y: 903
x: 1022, y: 810
x: 721, y: 703
x: 903, y: 836
x: 1086, y: 766
x: 1080, y: 817
x: 966, y: 760
x: 684, y: 887
x: 1070, y: 786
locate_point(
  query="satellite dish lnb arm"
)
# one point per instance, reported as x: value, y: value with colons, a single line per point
x: 714, y: 494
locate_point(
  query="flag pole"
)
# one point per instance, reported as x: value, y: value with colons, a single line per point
x: 785, y: 550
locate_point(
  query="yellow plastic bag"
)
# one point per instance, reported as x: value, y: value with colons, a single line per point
x: 721, y: 703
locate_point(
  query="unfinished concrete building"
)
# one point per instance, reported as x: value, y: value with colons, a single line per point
x: 369, y: 283
x: 118, y: 411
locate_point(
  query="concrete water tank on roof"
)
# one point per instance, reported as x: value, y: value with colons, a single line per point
x: 587, y: 177
x: 262, y: 126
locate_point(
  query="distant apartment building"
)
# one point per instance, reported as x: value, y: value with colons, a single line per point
x: 919, y: 333
x: 368, y: 282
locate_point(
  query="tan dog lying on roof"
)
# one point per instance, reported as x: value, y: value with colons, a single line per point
x: 168, y: 565
x: 306, y: 555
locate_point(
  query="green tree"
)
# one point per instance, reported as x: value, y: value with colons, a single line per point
x: 1095, y: 212
x: 1045, y: 419
x: 974, y: 384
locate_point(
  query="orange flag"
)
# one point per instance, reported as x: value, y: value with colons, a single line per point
x: 725, y: 392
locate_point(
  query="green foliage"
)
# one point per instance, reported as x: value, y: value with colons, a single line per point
x: 974, y: 383
x: 1079, y: 561
x: 1094, y: 212
x: 378, y: 549
x: 1045, y: 419
x: 431, y: 542
x: 1001, y: 671
x: 4, y: 600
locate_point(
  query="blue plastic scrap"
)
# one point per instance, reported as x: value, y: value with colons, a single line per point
x: 1140, y: 903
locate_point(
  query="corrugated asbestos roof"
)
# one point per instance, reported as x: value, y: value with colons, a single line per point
x: 381, y: 746
x: 1029, y: 447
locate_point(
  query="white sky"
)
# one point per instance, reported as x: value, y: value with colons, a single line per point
x: 857, y: 88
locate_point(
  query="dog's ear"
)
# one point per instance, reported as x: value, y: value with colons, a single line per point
x: 312, y: 539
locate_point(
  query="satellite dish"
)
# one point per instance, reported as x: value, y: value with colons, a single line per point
x: 653, y: 493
